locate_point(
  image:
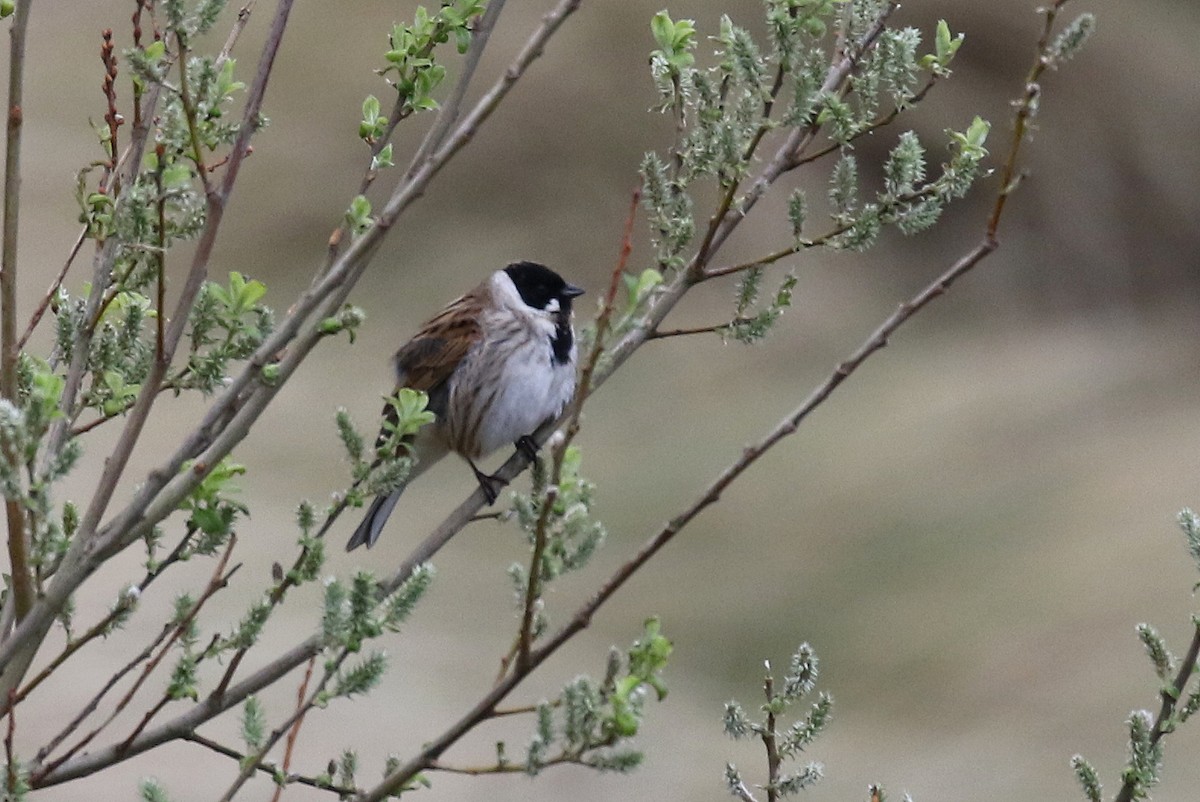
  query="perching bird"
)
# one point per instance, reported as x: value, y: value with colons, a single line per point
x: 497, y: 363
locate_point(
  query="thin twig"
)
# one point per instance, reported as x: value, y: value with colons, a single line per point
x: 664, y: 333
x: 239, y: 24
x: 561, y: 759
x: 218, y: 580
x: 1170, y: 700
x: 294, y: 732
x: 874, y: 126
x: 533, y: 587
x: 123, y: 605
x: 251, y: 762
x: 768, y: 738
x: 48, y: 298
x: 448, y: 115
x: 267, y: 768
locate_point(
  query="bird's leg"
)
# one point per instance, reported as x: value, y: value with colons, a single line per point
x: 488, y: 483
x: 527, y: 446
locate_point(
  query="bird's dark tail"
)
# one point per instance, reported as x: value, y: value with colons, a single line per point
x: 372, y: 523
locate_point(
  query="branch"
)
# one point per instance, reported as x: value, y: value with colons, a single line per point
x: 789, y: 425
x: 239, y: 24
x: 449, y: 112
x: 294, y: 732
x: 231, y: 415
x: 302, y: 707
x: 124, y: 604
x: 788, y: 156
x: 86, y: 552
x: 1170, y: 700
x: 218, y: 581
x: 267, y: 768
x: 768, y: 739
x: 18, y: 537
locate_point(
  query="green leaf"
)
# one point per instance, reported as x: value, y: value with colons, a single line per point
x: 663, y: 29
x: 945, y: 45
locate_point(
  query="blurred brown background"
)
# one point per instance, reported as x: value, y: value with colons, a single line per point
x: 967, y: 532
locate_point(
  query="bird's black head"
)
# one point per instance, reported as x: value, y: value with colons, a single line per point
x: 538, y: 285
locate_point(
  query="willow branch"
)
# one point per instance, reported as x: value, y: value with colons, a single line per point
x: 84, y: 555
x: 231, y: 415
x: 1170, y: 700
x: 18, y: 537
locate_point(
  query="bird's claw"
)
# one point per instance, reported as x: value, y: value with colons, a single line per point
x: 528, y: 447
x: 490, y: 484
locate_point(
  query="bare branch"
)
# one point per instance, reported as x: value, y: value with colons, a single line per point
x: 18, y: 536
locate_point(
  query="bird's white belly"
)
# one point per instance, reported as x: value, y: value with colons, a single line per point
x: 530, y: 393
x: 514, y: 401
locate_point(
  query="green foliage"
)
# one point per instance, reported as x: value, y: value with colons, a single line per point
x: 1072, y: 38
x: 750, y: 326
x: 360, y: 678
x: 121, y: 610
x: 786, y: 744
x: 571, y: 534
x: 411, y: 68
x: 355, y: 614
x: 151, y: 790
x: 669, y: 210
x: 348, y: 319
x: 676, y: 40
x: 945, y: 46
x: 1156, y: 649
x: 210, y: 509
x: 590, y: 722
x: 254, y: 723
x: 1145, y: 755
x: 1189, y: 522
x: 725, y: 110
x: 407, y: 412
x: 227, y: 325
x: 1089, y: 781
x: 358, y: 217
x: 1179, y: 692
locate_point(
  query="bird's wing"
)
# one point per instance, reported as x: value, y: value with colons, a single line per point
x: 428, y: 359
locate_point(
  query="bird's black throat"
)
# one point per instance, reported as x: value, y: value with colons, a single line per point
x: 563, y: 339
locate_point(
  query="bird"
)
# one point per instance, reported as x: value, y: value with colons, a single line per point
x: 496, y: 364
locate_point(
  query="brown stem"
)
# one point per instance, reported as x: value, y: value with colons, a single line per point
x: 769, y: 741
x: 13, y: 777
x: 252, y: 761
x: 18, y: 538
x: 267, y: 768
x: 239, y: 24
x: 104, y: 625
x: 659, y: 334
x: 48, y: 298
x: 218, y: 580
x: 294, y: 732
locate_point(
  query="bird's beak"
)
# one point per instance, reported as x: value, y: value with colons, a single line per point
x: 571, y: 291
